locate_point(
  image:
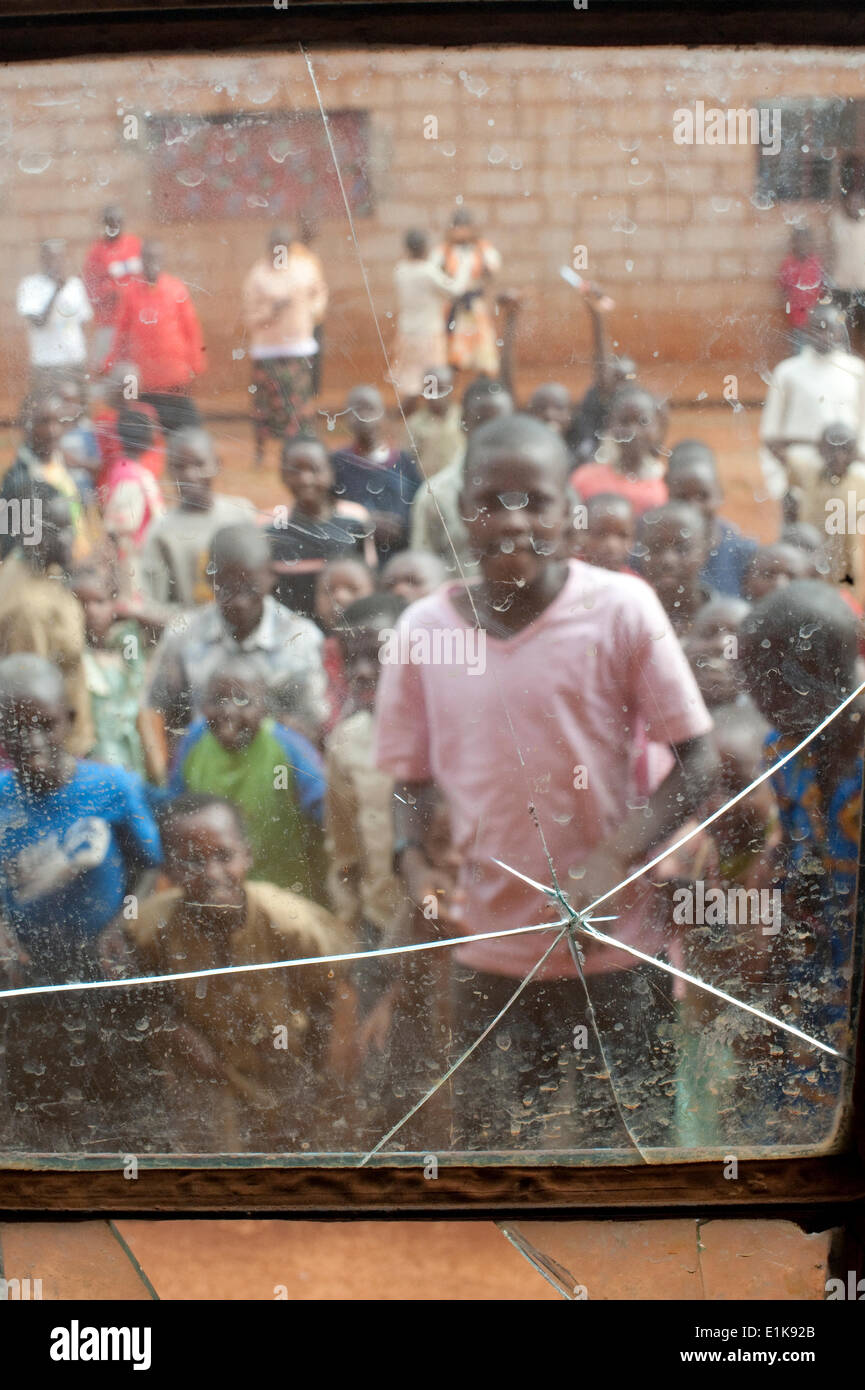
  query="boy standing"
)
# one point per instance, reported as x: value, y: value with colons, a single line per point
x: 242, y: 1053
x: 176, y: 548
x: 692, y: 476
x: 271, y: 773
x: 244, y: 619
x: 73, y: 838
x: 575, y: 658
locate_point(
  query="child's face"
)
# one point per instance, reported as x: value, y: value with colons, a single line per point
x: 411, y: 576
x: 33, y: 730
x: 675, y: 553
x: 551, y: 405
x: 194, y: 470
x: 491, y: 406
x: 362, y: 665
x: 634, y: 425
x: 514, y: 507
x: 774, y: 567
x: 46, y: 428
x: 208, y: 858
x: 708, y: 649
x: 240, y: 594
x: 608, y: 539
x: 366, y: 412
x: 339, y: 585
x: 234, y: 710
x: 698, y: 485
x: 98, y: 605
x: 307, y: 473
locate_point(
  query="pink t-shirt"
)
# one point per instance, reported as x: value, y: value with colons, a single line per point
x: 568, y: 692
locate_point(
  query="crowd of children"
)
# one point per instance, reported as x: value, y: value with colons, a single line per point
x: 516, y: 636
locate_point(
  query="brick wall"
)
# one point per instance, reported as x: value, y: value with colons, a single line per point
x: 551, y: 149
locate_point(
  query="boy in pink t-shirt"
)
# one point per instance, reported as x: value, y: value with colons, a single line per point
x: 530, y: 689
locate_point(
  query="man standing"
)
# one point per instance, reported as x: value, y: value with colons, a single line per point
x: 158, y: 329
x: 822, y: 385
x: 108, y: 267
x: 284, y: 299
x: 55, y: 308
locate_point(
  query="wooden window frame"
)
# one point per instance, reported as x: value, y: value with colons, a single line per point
x: 820, y: 1191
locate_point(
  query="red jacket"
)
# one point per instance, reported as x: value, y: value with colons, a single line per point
x: 158, y: 330
x: 801, y: 282
x: 105, y: 290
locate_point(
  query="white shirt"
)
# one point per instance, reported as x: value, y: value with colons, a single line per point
x: 61, y: 342
x: 812, y: 390
x: 422, y: 290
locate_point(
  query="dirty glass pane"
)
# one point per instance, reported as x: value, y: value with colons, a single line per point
x: 431, y: 583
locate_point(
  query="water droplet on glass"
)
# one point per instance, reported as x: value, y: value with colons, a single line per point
x: 496, y: 154
x: 766, y: 643
x: 448, y: 149
x: 576, y: 872
x: 763, y: 201
x: 629, y: 265
x: 513, y: 501
x: 34, y: 162
x: 190, y: 178
x: 516, y: 164
x: 721, y: 204
x: 261, y: 93
x: 564, y: 818
x: 254, y: 200
x: 624, y: 224
x: 503, y: 1042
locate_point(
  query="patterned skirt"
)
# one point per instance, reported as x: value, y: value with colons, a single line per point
x: 281, y: 396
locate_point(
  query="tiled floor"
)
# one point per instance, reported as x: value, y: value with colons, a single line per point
x: 428, y: 1261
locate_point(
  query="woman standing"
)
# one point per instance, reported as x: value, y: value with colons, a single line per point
x: 284, y: 299
x: 466, y: 257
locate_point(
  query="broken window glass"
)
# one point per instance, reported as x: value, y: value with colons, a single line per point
x: 431, y: 655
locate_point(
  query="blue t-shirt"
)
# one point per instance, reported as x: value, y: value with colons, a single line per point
x: 729, y: 557
x: 68, y: 859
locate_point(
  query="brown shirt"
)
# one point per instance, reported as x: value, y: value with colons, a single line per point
x: 241, y: 1016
